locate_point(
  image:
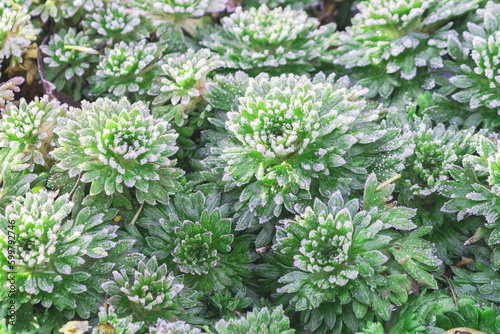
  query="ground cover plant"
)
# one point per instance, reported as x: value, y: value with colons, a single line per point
x: 249, y: 166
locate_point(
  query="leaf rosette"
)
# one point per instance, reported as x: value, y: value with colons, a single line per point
x: 112, y: 24
x: 125, y: 69
x: 178, y: 327
x: 116, y: 146
x: 54, y: 256
x: 340, y: 253
x: 183, y: 14
x: 195, y: 235
x: 294, y: 4
x: 269, y: 39
x: 475, y: 83
x: 289, y: 137
x: 65, y: 65
x: 398, y: 44
x: 263, y: 320
x: 475, y: 187
x: 181, y: 82
x: 437, y: 149
x: 27, y: 129
x: 16, y: 33
x: 110, y: 321
x: 64, y: 9
x: 150, y: 293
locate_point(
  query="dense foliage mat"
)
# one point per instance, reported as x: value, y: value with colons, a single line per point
x: 250, y: 166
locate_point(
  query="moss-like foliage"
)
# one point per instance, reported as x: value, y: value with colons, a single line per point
x: 249, y: 166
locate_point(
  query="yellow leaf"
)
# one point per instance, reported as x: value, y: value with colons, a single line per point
x: 464, y: 262
x: 386, y: 183
x: 14, y: 5
x: 82, y: 49
x: 106, y: 328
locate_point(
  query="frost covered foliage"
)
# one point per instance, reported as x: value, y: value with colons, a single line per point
x: 108, y: 319
x: 113, y: 23
x: 7, y: 90
x: 476, y: 69
x: 338, y: 250
x: 436, y: 149
x: 398, y: 44
x: 187, y: 8
x: 181, y: 13
x: 475, y: 188
x: 242, y: 166
x: 151, y: 292
x: 257, y: 321
x: 195, y: 235
x: 56, y: 259
x: 126, y: 69
x: 178, y: 327
x: 65, y: 65
x: 15, y: 182
x: 118, y: 147
x: 290, y: 138
x: 57, y: 10
x: 182, y: 83
x: 27, y: 130
x: 435, y: 152
x: 16, y: 33
x: 268, y: 39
